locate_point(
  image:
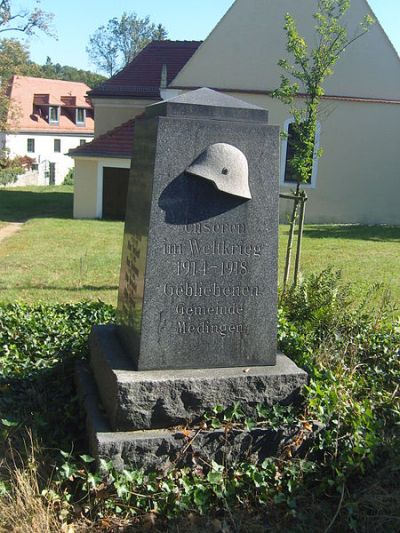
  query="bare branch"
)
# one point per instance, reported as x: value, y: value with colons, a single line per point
x: 30, y: 21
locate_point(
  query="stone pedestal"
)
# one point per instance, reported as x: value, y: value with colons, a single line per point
x: 130, y: 413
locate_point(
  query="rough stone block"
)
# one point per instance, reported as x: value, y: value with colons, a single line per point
x: 159, y: 449
x: 136, y: 400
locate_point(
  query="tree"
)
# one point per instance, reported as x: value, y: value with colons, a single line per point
x: 114, y: 45
x: 15, y: 59
x: 24, y: 20
x: 65, y: 72
x: 307, y: 73
x: 103, y: 49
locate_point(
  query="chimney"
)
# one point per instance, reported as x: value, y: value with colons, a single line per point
x: 164, y: 77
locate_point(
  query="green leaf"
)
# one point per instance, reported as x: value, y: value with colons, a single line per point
x: 200, y: 496
x: 87, y: 458
x: 215, y: 478
x: 9, y: 423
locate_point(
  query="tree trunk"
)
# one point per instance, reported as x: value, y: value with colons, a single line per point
x: 290, y: 241
x: 303, y: 201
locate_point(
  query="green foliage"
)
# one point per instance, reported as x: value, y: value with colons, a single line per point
x: 65, y: 72
x: 352, y: 356
x: 350, y: 414
x: 10, y: 175
x: 114, y: 45
x: 34, y: 338
x: 133, y: 493
x: 265, y: 416
x: 38, y: 347
x: 69, y: 177
x: 308, y: 71
x: 11, y: 168
x: 15, y: 59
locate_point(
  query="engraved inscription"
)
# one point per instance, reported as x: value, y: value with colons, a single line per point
x: 199, y: 228
x: 203, y: 267
x: 223, y: 248
x: 131, y: 306
x: 198, y: 289
x: 207, y: 328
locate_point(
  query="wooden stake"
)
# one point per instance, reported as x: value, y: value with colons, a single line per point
x: 290, y: 244
x: 303, y: 201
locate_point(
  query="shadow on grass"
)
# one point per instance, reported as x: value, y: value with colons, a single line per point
x: 44, y: 404
x: 18, y: 206
x: 355, y: 232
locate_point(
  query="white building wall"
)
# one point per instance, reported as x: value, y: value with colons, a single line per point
x: 44, y: 153
x: 88, y: 184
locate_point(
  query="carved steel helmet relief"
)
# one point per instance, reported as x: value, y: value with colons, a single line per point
x: 226, y: 166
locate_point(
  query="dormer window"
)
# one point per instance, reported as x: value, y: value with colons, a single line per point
x: 54, y: 114
x: 80, y: 116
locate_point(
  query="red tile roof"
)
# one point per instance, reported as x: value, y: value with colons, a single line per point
x: 30, y: 98
x: 142, y: 77
x: 115, y: 143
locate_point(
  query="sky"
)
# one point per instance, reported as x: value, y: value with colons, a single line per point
x: 75, y: 20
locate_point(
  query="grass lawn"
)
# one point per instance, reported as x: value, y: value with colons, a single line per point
x: 57, y: 259
x: 18, y: 204
x: 366, y: 255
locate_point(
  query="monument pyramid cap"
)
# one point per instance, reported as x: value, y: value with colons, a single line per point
x: 208, y: 104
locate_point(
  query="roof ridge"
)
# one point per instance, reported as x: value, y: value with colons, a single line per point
x: 18, y: 76
x: 175, y: 41
x: 141, y: 78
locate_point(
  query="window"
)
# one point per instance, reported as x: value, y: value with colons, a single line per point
x: 82, y: 141
x: 53, y: 115
x: 35, y: 166
x: 52, y: 174
x: 31, y: 145
x: 80, y: 116
x: 287, y: 152
x: 57, y: 145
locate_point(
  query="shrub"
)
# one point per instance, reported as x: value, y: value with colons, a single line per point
x: 38, y: 347
x: 9, y: 176
x: 11, y: 168
x: 38, y: 337
x: 69, y: 177
x: 352, y: 356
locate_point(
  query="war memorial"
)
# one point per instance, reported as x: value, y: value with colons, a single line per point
x: 197, y: 302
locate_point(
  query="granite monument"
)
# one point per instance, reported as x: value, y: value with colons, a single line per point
x: 197, y: 301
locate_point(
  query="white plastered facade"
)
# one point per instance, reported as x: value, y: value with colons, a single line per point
x: 44, y: 154
x: 88, y: 184
x: 358, y: 177
x: 88, y: 179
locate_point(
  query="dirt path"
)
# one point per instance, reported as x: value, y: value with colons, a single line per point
x: 10, y: 229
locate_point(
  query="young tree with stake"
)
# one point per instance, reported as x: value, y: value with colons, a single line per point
x: 302, y: 89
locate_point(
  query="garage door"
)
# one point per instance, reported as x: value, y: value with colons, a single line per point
x: 115, y: 191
